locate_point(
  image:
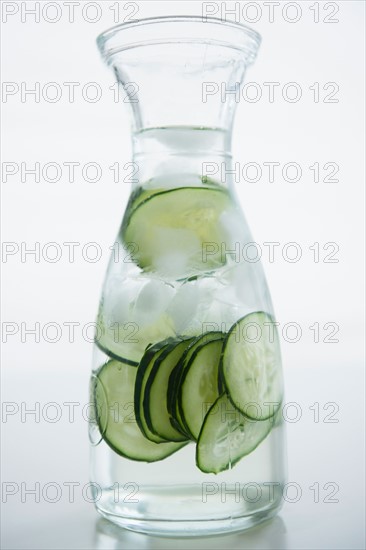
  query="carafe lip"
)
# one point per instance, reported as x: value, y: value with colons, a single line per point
x: 170, y: 29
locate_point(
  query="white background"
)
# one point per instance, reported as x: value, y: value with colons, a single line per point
x: 304, y: 292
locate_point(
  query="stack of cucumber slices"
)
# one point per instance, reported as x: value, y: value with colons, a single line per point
x: 219, y: 390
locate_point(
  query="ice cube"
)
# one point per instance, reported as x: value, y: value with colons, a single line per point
x: 152, y: 301
x: 208, y: 314
x: 118, y: 296
x: 183, y: 306
x: 176, y: 251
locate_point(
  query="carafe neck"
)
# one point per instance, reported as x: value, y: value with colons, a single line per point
x: 176, y: 70
x: 181, y: 76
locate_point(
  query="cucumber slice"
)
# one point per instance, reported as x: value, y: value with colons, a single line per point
x: 227, y: 436
x: 127, y: 342
x: 177, y: 376
x: 143, y: 372
x: 251, y: 366
x: 114, y: 355
x: 170, y: 227
x: 156, y: 393
x: 113, y: 394
x: 137, y: 197
x: 199, y: 386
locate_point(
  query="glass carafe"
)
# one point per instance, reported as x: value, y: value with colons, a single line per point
x: 187, y: 436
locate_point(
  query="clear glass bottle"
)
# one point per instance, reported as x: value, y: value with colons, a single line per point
x: 187, y: 437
